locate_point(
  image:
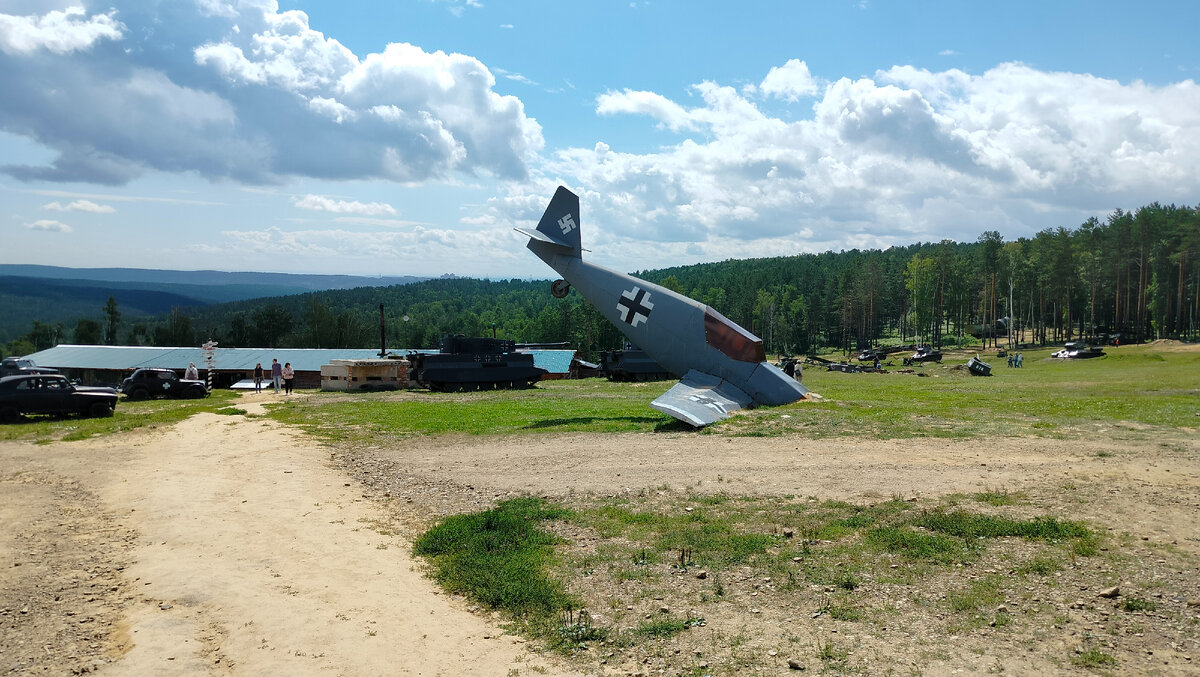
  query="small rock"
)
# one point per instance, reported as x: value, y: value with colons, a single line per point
x: 664, y: 609
x: 788, y: 533
x: 1002, y: 609
x: 1110, y: 592
x: 164, y: 607
x: 1193, y: 602
x: 772, y: 653
x: 702, y: 574
x: 795, y: 664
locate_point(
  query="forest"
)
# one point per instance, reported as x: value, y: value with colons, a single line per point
x: 1135, y: 274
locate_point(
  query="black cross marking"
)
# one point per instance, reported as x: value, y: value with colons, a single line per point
x: 634, y: 306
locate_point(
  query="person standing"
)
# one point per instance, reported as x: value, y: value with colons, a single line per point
x: 288, y: 375
x: 276, y: 374
x: 192, y: 373
x: 258, y: 377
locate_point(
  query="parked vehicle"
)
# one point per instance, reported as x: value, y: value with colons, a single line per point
x: 149, y: 383
x: 470, y: 363
x: 924, y: 354
x: 12, y: 366
x: 52, y: 394
x: 1078, y: 350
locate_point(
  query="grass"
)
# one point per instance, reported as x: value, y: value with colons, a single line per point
x: 498, y: 557
x: 1134, y: 386
x: 128, y: 416
x: 503, y: 558
x: 591, y: 405
x: 1048, y: 398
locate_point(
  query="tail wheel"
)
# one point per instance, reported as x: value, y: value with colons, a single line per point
x: 560, y: 288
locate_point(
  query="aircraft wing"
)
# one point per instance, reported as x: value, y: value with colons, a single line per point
x: 700, y: 399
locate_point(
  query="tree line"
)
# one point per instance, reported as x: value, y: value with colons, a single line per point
x: 1136, y: 274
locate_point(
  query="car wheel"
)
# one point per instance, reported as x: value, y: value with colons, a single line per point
x: 9, y: 414
x: 138, y: 394
x: 195, y: 393
x: 100, y: 410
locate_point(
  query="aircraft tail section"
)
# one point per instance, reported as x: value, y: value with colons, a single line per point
x: 560, y: 223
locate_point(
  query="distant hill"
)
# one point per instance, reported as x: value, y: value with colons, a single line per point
x: 213, y: 286
x: 53, y: 294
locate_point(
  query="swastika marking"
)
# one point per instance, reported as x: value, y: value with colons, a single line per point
x: 567, y: 224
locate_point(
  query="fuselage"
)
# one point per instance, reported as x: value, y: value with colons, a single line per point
x: 679, y: 333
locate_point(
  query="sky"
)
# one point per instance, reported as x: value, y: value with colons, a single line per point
x: 409, y: 137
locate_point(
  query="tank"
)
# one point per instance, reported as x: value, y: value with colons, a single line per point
x: 630, y: 364
x: 473, y: 363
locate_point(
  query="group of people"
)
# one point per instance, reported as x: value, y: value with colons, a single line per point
x: 1016, y: 359
x: 281, y: 376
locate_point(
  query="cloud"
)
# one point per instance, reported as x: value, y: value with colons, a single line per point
x: 789, y: 81
x: 57, y: 31
x: 244, y: 91
x: 80, y: 206
x: 324, y: 204
x: 657, y: 106
x: 906, y: 155
x: 49, y: 226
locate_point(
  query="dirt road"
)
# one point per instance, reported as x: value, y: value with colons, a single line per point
x: 220, y: 546
x: 231, y: 545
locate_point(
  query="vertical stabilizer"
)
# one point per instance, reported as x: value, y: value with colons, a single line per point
x: 560, y: 223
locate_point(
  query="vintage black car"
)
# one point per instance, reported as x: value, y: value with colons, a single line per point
x: 149, y: 382
x: 13, y: 366
x: 52, y: 394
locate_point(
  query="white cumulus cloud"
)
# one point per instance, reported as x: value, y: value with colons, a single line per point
x: 248, y: 92
x: 906, y: 155
x: 80, y: 206
x: 49, y: 226
x: 324, y: 204
x: 57, y: 31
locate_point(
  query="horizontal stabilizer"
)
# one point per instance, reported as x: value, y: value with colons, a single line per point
x: 700, y: 399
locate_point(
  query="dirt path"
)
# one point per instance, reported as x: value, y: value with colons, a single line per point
x: 228, y: 545
x: 222, y: 546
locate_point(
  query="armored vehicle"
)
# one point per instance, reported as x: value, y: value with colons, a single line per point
x: 978, y: 367
x: 472, y: 363
x: 1078, y: 350
x: 924, y: 354
x: 630, y: 364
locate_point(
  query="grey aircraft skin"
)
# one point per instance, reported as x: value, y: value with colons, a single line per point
x: 722, y: 366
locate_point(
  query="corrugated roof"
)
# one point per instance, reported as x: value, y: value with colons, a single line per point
x: 122, y: 358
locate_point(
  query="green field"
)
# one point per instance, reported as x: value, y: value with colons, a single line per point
x: 128, y: 416
x: 1133, y: 386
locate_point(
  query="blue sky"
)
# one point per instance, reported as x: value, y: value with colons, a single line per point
x: 389, y: 138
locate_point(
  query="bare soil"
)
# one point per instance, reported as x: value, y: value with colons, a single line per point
x: 232, y: 545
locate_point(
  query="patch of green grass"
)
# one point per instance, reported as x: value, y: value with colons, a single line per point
x: 918, y: 545
x: 498, y: 557
x: 1048, y: 397
x: 666, y: 627
x: 127, y: 416
x: 230, y: 411
x: 1136, y: 384
x: 981, y: 594
x: 967, y: 525
x: 590, y: 405
x: 1094, y: 658
x: 1132, y: 604
x: 996, y: 498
